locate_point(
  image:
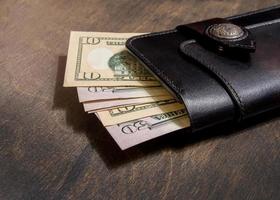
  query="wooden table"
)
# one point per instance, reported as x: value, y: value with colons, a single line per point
x: 51, y: 149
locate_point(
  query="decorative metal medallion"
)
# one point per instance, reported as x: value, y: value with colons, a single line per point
x: 226, y: 31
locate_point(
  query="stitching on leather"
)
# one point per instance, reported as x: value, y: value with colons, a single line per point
x: 242, y: 45
x: 250, y: 13
x: 263, y: 24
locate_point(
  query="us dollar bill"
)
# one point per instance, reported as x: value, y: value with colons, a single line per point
x: 132, y: 112
x: 131, y: 133
x: 101, y: 59
x: 94, y: 106
x: 95, y: 93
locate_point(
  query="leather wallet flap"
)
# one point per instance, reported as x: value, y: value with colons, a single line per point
x: 251, y: 80
x: 214, y: 87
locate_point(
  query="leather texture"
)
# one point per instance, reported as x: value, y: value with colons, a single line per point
x: 217, y: 88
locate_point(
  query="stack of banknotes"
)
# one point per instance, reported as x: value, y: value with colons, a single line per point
x: 112, y: 84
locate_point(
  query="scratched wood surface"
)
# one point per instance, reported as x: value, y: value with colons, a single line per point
x: 51, y: 149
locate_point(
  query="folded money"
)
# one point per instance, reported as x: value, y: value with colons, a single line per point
x: 95, y: 106
x: 131, y: 133
x: 101, y: 59
x: 117, y: 88
x: 105, y: 93
x: 132, y: 112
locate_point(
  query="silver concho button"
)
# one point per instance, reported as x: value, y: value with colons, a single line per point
x: 226, y: 31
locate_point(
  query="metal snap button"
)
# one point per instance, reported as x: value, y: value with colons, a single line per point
x: 226, y: 31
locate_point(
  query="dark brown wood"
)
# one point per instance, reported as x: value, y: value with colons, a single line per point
x: 51, y: 149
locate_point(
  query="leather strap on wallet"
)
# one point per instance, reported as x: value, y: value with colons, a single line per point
x: 221, y: 69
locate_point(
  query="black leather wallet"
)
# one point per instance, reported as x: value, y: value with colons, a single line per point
x: 221, y: 69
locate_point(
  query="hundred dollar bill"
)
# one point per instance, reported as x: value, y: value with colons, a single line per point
x: 128, y: 113
x: 101, y: 59
x: 131, y: 133
x: 105, y: 93
x: 109, y: 104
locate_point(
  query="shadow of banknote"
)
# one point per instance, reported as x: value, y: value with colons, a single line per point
x: 88, y: 124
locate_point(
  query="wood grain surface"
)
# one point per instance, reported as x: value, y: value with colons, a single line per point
x: 51, y: 149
